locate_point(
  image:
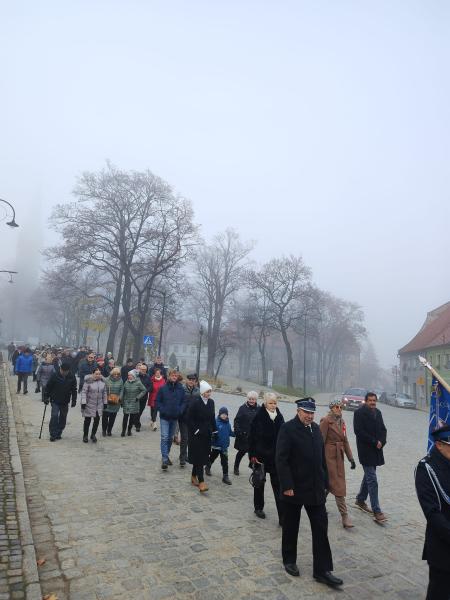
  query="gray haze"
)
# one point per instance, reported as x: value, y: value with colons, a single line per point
x: 316, y: 128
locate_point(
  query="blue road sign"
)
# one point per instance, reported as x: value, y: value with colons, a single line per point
x: 149, y: 340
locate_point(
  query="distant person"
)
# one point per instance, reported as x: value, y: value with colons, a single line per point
x: 433, y: 490
x: 242, y: 423
x: 108, y: 367
x: 24, y: 368
x: 157, y: 383
x: 158, y: 364
x: 61, y: 388
x: 371, y: 435
x: 11, y: 349
x: 127, y: 367
x: 86, y: 367
x: 114, y: 392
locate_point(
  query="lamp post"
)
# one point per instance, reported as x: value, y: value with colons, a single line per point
x: 11, y: 223
x: 162, y: 321
x: 305, y: 317
x: 10, y: 273
x: 200, y: 334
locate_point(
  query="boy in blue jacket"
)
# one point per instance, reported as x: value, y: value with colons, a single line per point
x: 220, y: 444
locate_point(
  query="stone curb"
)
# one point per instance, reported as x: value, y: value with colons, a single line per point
x: 30, y: 571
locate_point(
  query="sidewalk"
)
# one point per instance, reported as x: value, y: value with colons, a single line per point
x: 18, y: 571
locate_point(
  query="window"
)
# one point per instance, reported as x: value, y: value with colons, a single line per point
x: 175, y: 349
x: 193, y: 349
x: 183, y: 363
x: 438, y: 361
x: 184, y: 349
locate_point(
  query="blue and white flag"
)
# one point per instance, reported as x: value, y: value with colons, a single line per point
x: 439, y: 409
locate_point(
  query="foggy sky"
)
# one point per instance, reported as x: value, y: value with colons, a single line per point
x: 315, y: 128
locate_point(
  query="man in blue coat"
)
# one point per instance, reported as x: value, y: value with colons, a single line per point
x: 170, y: 403
x: 24, y: 368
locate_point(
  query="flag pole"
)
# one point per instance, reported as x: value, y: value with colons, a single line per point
x: 435, y: 374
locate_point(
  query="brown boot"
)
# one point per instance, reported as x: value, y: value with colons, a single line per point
x: 203, y: 487
x: 194, y: 480
x: 346, y: 523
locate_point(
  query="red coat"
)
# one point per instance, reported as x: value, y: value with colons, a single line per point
x: 157, y: 384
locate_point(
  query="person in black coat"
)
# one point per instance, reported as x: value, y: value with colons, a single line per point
x: 60, y: 389
x: 433, y: 491
x: 242, y: 423
x: 262, y: 444
x: 370, y: 434
x: 202, y: 424
x: 302, y: 469
x: 127, y: 367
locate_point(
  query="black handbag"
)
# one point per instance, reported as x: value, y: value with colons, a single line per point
x: 258, y: 475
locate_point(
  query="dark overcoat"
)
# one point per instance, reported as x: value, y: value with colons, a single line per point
x: 201, y: 425
x: 436, y: 508
x: 301, y: 464
x: 369, y: 429
x: 242, y: 424
x: 263, y: 438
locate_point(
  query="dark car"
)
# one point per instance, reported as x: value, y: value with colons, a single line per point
x: 400, y: 399
x: 353, y: 398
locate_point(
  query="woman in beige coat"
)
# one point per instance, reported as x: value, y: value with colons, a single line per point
x: 336, y: 445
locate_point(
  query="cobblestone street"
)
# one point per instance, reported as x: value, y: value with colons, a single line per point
x: 112, y: 525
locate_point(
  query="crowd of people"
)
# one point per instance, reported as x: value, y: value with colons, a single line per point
x: 305, y: 461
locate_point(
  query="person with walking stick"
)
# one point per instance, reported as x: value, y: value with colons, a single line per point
x: 60, y: 389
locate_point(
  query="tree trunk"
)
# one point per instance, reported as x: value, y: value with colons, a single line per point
x: 219, y: 365
x: 123, y: 342
x: 114, y: 322
x: 290, y: 360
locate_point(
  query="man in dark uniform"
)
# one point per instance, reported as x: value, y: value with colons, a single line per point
x: 433, y: 491
x: 302, y: 471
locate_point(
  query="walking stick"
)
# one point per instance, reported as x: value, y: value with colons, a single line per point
x: 42, y: 424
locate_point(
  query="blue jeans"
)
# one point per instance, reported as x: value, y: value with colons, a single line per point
x: 167, y: 433
x: 58, y: 419
x: 369, y: 487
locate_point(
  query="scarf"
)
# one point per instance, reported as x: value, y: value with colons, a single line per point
x: 272, y: 415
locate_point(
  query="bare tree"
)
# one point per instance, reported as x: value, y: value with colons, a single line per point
x: 220, y: 270
x: 284, y: 282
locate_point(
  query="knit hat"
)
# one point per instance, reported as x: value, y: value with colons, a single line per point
x: 335, y: 402
x: 204, y: 387
x: 223, y: 411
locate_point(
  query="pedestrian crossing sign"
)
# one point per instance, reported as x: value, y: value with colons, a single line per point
x: 149, y: 340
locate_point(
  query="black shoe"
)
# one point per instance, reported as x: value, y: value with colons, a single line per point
x: 260, y: 513
x: 182, y: 464
x: 169, y: 462
x: 93, y: 439
x: 58, y: 437
x: 53, y: 439
x: 164, y: 465
x: 226, y: 480
x: 138, y: 428
x: 25, y: 393
x: 103, y: 433
x: 208, y: 470
x: 122, y: 434
x: 292, y: 569
x: 129, y: 432
x: 236, y: 471
x: 328, y: 579
x: 85, y: 439
x: 109, y: 434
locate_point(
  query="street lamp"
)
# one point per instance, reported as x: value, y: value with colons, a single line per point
x: 163, y: 294
x: 10, y: 273
x: 200, y: 334
x: 11, y: 223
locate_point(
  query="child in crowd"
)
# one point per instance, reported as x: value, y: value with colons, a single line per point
x: 220, y: 444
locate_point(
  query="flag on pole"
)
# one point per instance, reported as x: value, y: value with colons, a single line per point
x: 439, y: 409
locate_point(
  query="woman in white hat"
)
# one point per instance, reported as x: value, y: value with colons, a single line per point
x: 201, y: 425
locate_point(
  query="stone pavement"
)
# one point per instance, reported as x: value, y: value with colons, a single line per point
x: 18, y: 572
x: 112, y: 525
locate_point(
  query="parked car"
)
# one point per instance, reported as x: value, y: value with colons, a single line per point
x: 353, y: 398
x: 381, y: 394
x: 400, y: 399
